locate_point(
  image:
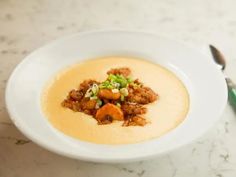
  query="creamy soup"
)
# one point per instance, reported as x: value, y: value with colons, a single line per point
x: 163, y: 115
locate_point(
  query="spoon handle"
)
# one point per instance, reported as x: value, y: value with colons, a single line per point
x: 231, y: 92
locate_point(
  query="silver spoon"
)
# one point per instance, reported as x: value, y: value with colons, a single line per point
x: 221, y: 62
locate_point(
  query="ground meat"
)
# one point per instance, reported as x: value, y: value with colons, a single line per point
x: 91, y: 112
x: 132, y: 109
x: 121, y: 71
x: 71, y: 104
x: 86, y: 103
x: 68, y: 103
x: 141, y: 95
x: 138, y: 83
x: 75, y: 95
x: 77, y: 102
x: 135, y: 121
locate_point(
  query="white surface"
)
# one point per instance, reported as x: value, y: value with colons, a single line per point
x: 31, y: 76
x: 26, y: 25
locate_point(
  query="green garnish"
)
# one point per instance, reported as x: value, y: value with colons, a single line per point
x: 95, y: 89
x: 88, y: 93
x: 99, y: 102
x: 106, y: 85
x: 118, y: 105
x: 112, y: 77
x: 130, y: 80
x: 93, y: 97
x: 119, y: 79
x: 122, y: 98
x: 92, y: 92
x: 117, y: 83
x: 124, y: 91
x: 115, y: 90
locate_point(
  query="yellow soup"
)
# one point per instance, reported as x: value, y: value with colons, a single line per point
x: 164, y: 114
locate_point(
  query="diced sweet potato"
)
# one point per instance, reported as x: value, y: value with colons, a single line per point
x: 108, y: 94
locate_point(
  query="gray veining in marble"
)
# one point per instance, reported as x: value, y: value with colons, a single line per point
x: 26, y: 25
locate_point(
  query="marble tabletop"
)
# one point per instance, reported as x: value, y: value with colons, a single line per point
x: 26, y: 25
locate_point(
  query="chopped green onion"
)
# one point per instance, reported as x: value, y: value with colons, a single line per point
x: 120, y: 79
x: 118, y: 105
x: 123, y: 83
x: 130, y: 80
x: 95, y: 89
x: 109, y: 87
x: 88, y: 93
x: 112, y: 77
x: 124, y: 91
x: 106, y: 84
x: 101, y: 86
x: 115, y: 91
x: 122, y: 98
x: 115, y: 82
x: 99, y: 102
x: 93, y: 97
x: 116, y: 85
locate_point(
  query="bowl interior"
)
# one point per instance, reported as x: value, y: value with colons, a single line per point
x: 204, y: 82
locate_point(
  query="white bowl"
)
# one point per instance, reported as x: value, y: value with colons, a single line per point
x: 205, y: 84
